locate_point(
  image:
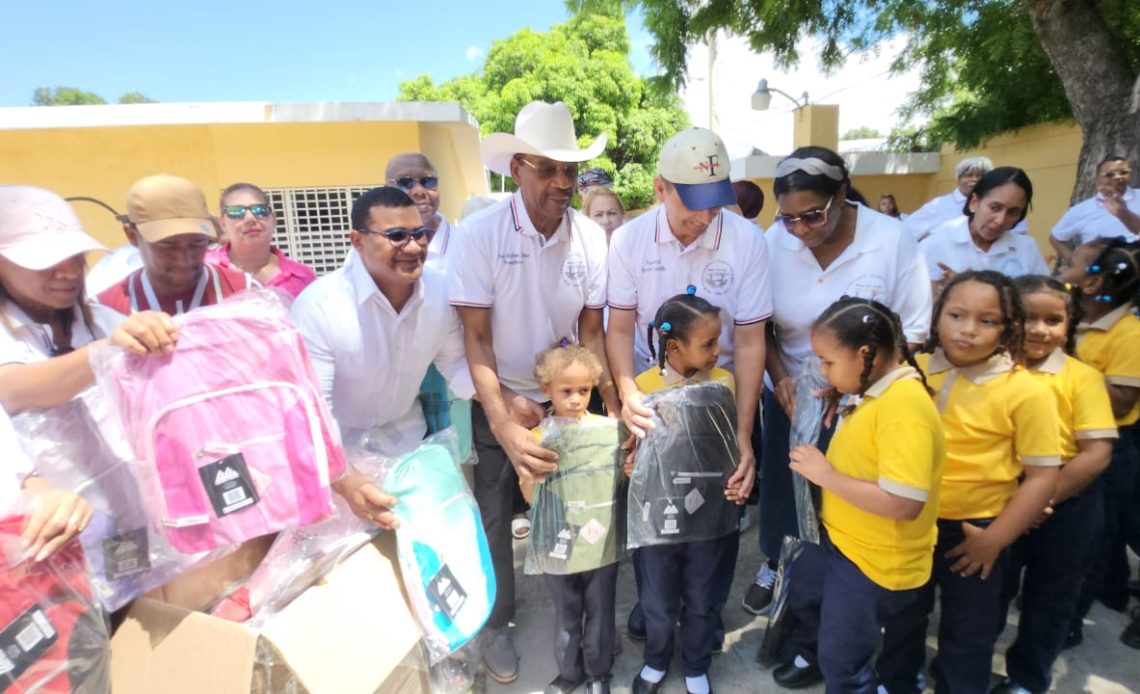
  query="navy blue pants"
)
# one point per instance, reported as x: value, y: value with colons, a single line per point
x: 1054, y: 558
x: 584, y: 630
x: 967, y: 627
x: 670, y: 574
x: 838, y: 614
x: 777, y: 498
x: 1108, y: 571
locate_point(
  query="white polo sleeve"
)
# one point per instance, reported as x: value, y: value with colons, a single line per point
x: 471, y: 269
x: 911, y: 298
x: 922, y: 220
x: 452, y: 360
x: 596, y: 252
x: 755, y: 301
x: 621, y: 285
x: 1068, y: 226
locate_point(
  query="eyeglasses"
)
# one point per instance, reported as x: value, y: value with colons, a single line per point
x: 400, y: 236
x: 260, y: 211
x: 406, y: 183
x: 549, y: 169
x: 812, y: 219
x: 1119, y: 173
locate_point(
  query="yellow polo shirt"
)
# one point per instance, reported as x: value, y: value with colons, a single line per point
x: 1111, y: 345
x: 893, y: 438
x: 997, y: 418
x: 1083, y: 408
x: 652, y: 379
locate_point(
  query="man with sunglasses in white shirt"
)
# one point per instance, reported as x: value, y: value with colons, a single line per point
x: 526, y: 274
x: 413, y: 173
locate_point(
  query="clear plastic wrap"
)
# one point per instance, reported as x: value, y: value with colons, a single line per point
x: 676, y: 493
x: 444, y: 557
x: 231, y: 436
x: 578, y: 514
x: 126, y: 550
x: 53, y: 636
x: 805, y: 429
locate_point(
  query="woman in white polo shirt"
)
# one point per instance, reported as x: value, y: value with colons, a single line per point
x: 821, y: 247
x: 982, y: 238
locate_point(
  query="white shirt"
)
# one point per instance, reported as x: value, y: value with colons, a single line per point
x: 728, y: 264
x: 1011, y: 254
x: 370, y: 359
x: 881, y: 263
x: 15, y: 465
x: 940, y: 210
x: 440, y: 243
x: 112, y: 268
x: 1088, y: 220
x: 24, y: 341
x: 535, y: 288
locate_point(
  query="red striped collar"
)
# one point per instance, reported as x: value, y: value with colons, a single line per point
x: 705, y: 240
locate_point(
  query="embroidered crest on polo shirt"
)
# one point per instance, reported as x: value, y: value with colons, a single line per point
x: 718, y: 277
x: 574, y: 269
x: 869, y: 286
x: 1012, y: 267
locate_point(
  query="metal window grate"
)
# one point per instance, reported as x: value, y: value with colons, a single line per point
x: 313, y: 224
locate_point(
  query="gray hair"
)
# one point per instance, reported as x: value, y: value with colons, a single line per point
x: 978, y: 165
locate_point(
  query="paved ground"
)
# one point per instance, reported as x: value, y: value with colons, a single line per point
x: 1101, y: 664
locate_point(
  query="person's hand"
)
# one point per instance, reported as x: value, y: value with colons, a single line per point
x: 532, y: 462
x: 1113, y: 202
x: 785, y: 393
x: 739, y: 485
x: 977, y: 552
x: 947, y: 275
x: 367, y: 501
x: 524, y: 411
x: 1045, y: 514
x: 630, y: 446
x: 832, y: 395
x: 55, y: 516
x: 810, y: 462
x: 146, y: 332
x: 637, y: 417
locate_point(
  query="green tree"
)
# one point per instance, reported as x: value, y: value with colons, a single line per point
x: 987, y: 66
x: 583, y: 62
x: 64, y: 96
x: 135, y: 98
x: 861, y: 133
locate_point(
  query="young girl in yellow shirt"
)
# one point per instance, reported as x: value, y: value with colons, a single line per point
x: 880, y: 482
x: 1001, y: 427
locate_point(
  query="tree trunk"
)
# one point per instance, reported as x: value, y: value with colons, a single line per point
x: 1097, y: 80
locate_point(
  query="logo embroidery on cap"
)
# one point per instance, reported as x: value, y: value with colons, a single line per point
x: 711, y: 165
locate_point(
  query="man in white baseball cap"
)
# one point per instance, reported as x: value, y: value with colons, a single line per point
x: 526, y: 274
x: 691, y: 244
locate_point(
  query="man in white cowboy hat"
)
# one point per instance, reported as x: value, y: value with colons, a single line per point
x: 527, y: 273
x: 689, y: 244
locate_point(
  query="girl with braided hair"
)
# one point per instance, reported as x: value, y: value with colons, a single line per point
x: 1105, y: 273
x: 880, y: 481
x: 1055, y: 554
x: 1002, y: 457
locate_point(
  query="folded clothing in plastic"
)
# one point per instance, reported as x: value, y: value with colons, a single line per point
x: 230, y: 431
x: 52, y: 634
x: 442, y: 409
x: 578, y: 514
x: 676, y: 493
x: 443, y: 551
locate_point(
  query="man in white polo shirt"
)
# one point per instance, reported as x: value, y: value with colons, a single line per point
x: 372, y: 328
x: 688, y: 241
x: 414, y: 174
x: 526, y: 274
x: 1113, y: 211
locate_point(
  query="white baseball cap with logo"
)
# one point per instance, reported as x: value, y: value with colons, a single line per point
x: 696, y: 162
x: 39, y: 229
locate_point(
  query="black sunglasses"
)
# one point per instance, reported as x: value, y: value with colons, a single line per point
x: 400, y: 236
x: 406, y: 183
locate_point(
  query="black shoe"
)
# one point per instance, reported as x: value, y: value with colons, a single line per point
x: 1131, y: 635
x: 636, y: 623
x: 789, y: 676
x: 1114, y: 602
x: 644, y: 686
x: 561, y: 685
x: 1074, y: 638
x: 1008, y: 686
x: 598, y: 685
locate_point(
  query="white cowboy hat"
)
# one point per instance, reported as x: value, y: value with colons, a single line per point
x: 543, y: 129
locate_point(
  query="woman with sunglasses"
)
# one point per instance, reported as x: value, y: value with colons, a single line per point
x: 822, y: 246
x: 247, y: 222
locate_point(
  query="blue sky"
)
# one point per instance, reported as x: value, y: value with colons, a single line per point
x: 290, y: 50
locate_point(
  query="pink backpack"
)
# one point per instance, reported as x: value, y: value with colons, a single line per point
x: 232, y: 437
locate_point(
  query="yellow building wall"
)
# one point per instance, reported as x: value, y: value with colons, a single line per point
x: 103, y: 162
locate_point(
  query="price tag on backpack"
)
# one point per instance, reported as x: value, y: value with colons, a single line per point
x: 228, y: 484
x: 669, y: 519
x: 24, y: 641
x: 126, y: 553
x: 449, y: 596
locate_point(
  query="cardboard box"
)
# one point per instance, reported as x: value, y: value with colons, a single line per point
x: 351, y: 633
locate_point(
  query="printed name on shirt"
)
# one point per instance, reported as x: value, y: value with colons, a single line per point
x: 870, y: 286
x: 718, y: 276
x: 513, y: 258
x: 652, y: 265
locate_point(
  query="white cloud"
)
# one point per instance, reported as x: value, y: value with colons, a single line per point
x: 866, y: 93
x: 473, y: 53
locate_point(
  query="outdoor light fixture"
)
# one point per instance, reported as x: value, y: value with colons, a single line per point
x: 762, y: 97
